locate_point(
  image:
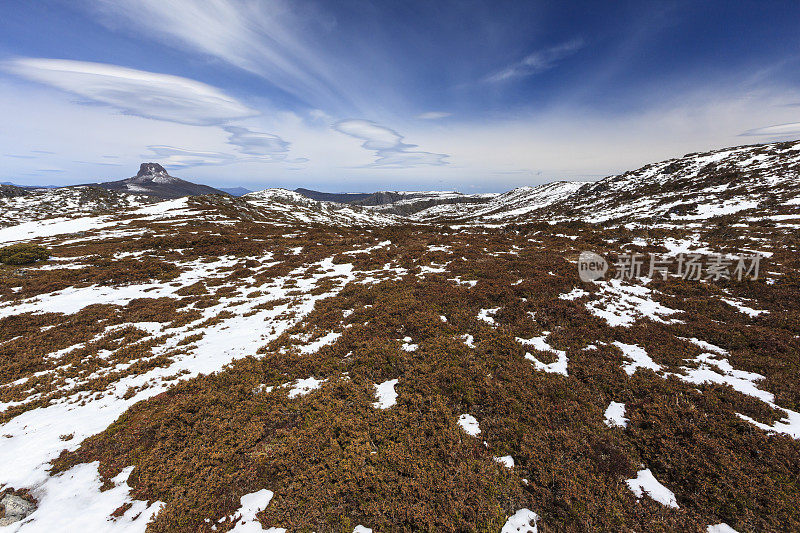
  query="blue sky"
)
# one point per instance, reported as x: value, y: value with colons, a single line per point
x: 358, y: 96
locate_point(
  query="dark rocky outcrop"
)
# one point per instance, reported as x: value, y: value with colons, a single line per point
x: 153, y: 180
x: 340, y: 197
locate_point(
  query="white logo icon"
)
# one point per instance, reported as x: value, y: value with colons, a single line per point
x: 591, y: 266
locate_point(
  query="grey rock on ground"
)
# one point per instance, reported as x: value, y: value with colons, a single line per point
x: 16, y: 509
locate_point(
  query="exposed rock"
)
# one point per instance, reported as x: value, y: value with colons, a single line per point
x: 153, y: 180
x: 341, y: 198
x: 14, y: 508
x: 149, y: 169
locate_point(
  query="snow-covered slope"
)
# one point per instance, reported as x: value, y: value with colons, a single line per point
x: 408, y: 203
x: 694, y: 187
x: 758, y: 180
x: 284, y: 196
x: 510, y: 206
x: 38, y: 204
x: 292, y: 207
x: 753, y: 181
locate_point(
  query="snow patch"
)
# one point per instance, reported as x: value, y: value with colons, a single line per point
x: 559, y: 366
x: 638, y: 358
x: 73, y: 501
x: 622, y: 305
x: 305, y: 386
x: 646, y: 483
x: 523, y: 521
x: 790, y: 425
x: 469, y: 424
x: 713, y: 370
x: 252, y: 504
x: 507, y: 461
x: 615, y: 415
x: 386, y: 394
x: 51, y: 227
x: 749, y: 311
x: 574, y: 294
x: 408, y: 346
x: 330, y: 338
x: 487, y: 315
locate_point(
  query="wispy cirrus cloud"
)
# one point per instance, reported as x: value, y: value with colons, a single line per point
x: 537, y: 62
x: 135, y: 92
x: 792, y: 128
x: 267, y: 38
x: 388, y: 145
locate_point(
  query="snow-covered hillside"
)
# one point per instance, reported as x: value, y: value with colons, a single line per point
x: 293, y: 207
x: 408, y: 203
x: 513, y: 205
x: 760, y: 179
x: 693, y: 187
x: 38, y: 204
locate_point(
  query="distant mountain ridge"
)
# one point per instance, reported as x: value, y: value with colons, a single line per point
x: 516, y: 203
x: 291, y: 206
x: 397, y: 202
x: 235, y: 191
x: 153, y: 180
x: 338, y: 197
x: 12, y: 184
x: 412, y: 202
x: 8, y: 190
x: 745, y: 181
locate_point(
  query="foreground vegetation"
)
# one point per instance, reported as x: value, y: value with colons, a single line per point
x: 334, y: 460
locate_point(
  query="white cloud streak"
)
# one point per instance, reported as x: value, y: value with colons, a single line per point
x: 563, y: 143
x: 256, y: 143
x: 793, y: 128
x: 388, y: 145
x: 259, y: 36
x: 135, y: 92
x: 537, y: 62
x: 160, y: 97
x: 172, y: 157
x: 433, y: 115
x: 253, y: 146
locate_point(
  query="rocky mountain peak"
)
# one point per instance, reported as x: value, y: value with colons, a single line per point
x: 150, y: 169
x: 153, y: 180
